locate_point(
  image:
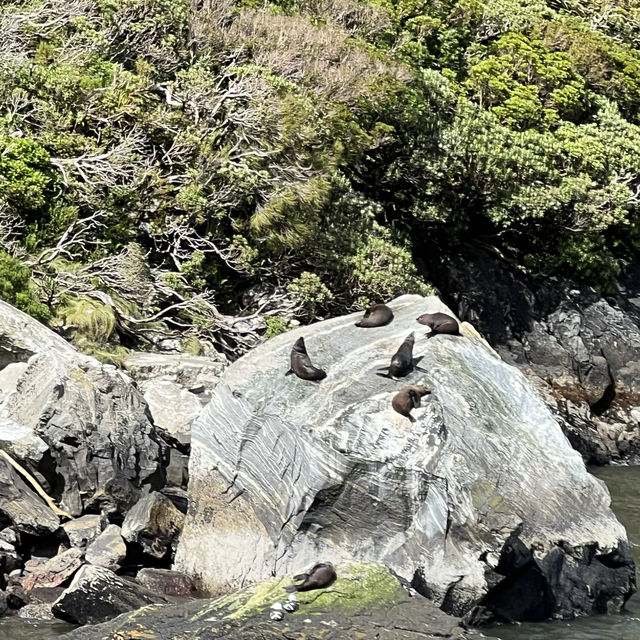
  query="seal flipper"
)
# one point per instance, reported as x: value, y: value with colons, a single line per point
x: 289, y: 372
x: 291, y: 588
x: 301, y: 576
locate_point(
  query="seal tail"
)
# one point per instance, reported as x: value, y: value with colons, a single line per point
x: 301, y: 576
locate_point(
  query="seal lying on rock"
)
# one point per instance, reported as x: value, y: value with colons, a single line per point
x: 402, y: 361
x: 320, y: 576
x: 301, y: 363
x: 440, y: 323
x: 408, y: 398
x: 376, y: 316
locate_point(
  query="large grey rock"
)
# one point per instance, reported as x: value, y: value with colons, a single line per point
x: 21, y: 507
x: 364, y: 602
x: 153, y: 523
x: 284, y: 471
x: 97, y: 594
x: 102, y: 445
x: 20, y: 442
x: 173, y: 408
x: 108, y: 550
x: 84, y: 530
x: 580, y: 349
x: 9, y: 377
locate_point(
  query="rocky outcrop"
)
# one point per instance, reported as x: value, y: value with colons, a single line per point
x: 97, y: 594
x: 365, y: 602
x: 580, y: 349
x: 284, y: 471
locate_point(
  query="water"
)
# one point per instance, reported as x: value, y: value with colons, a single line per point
x: 623, y: 483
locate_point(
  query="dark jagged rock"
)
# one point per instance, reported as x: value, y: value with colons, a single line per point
x: 21, y: 507
x: 365, y: 602
x: 282, y: 472
x: 581, y: 350
x: 165, y: 582
x: 108, y: 550
x: 97, y: 594
x: 153, y: 523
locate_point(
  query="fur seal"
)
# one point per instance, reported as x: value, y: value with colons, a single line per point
x: 408, y: 398
x: 320, y: 576
x: 402, y: 361
x: 301, y: 363
x: 376, y: 316
x: 440, y: 323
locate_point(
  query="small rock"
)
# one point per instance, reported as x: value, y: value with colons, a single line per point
x: 153, y: 523
x: 177, y: 469
x: 276, y: 615
x: 34, y: 563
x: 82, y: 531
x: 166, y: 582
x: 36, y: 611
x: 9, y: 535
x: 55, y: 571
x: 108, y: 549
x: 97, y: 594
x: 17, y: 597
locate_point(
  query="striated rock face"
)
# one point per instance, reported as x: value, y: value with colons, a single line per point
x: 285, y: 471
x: 580, y: 349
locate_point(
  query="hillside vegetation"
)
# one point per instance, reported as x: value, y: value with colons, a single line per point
x: 160, y: 158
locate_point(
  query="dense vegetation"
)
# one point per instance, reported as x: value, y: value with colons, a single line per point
x: 160, y: 158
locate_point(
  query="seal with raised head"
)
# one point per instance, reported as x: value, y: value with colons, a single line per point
x: 408, y: 398
x: 301, y: 363
x: 376, y: 316
x: 440, y: 323
x: 320, y: 576
x: 402, y: 361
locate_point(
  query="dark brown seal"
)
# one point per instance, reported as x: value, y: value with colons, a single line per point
x: 320, y: 576
x: 376, y: 316
x: 440, y: 323
x: 301, y: 363
x: 408, y: 398
x: 402, y: 361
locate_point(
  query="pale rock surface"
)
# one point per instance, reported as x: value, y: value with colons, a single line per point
x: 9, y: 377
x: 108, y: 549
x: 285, y: 471
x: 84, y: 530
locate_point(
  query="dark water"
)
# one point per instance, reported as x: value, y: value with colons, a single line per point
x: 624, y: 486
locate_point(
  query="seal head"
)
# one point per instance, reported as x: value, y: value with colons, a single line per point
x: 402, y: 361
x: 376, y: 316
x: 301, y: 363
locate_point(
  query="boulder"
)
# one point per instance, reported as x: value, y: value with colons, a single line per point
x: 284, y: 471
x: 97, y: 594
x: 55, y: 571
x: 580, y: 349
x: 153, y: 523
x: 102, y: 445
x: 20, y: 442
x: 108, y: 550
x: 364, y: 602
x: 84, y: 530
x: 165, y: 581
x: 21, y: 507
x: 9, y: 377
x: 173, y: 409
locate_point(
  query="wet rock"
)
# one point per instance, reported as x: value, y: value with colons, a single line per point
x: 166, y: 582
x: 153, y: 523
x: 21, y: 507
x: 363, y: 603
x: 84, y: 530
x: 283, y: 471
x: 97, y: 594
x: 108, y: 550
x: 17, y: 597
x: 36, y: 611
x: 172, y: 408
x: 55, y: 571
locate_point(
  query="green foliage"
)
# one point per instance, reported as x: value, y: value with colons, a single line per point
x: 16, y: 288
x: 311, y: 292
x: 275, y: 326
x: 90, y: 322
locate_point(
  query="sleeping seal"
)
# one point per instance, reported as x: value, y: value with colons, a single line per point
x: 440, y: 323
x: 321, y: 575
x: 301, y: 363
x: 402, y: 361
x: 408, y: 398
x: 376, y: 316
